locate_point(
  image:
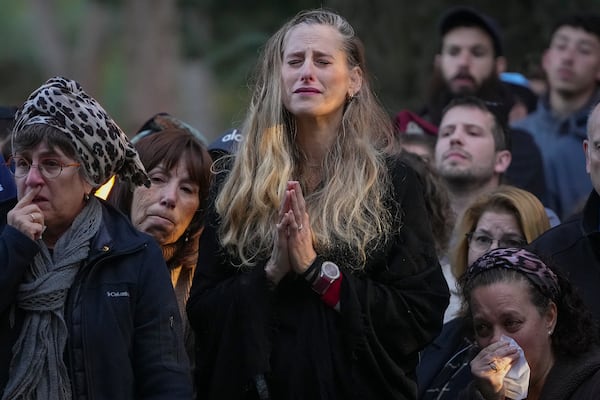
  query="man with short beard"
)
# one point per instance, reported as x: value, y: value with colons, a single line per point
x: 471, y: 152
x: 572, y: 66
x: 469, y: 63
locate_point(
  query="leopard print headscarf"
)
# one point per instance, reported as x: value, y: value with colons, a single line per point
x: 104, y: 150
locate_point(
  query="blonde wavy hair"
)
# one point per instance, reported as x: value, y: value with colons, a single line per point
x: 527, y: 209
x: 347, y: 211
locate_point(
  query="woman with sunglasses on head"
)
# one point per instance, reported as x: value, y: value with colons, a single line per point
x: 506, y: 217
x: 87, y: 308
x: 171, y: 210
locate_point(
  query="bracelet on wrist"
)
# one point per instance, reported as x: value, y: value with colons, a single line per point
x: 311, y: 273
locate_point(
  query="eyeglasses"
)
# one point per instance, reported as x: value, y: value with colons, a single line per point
x: 50, y: 168
x: 481, y: 242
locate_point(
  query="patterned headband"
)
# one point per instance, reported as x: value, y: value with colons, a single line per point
x: 522, y: 261
x: 103, y: 148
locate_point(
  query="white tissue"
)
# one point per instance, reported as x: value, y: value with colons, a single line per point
x: 516, y: 381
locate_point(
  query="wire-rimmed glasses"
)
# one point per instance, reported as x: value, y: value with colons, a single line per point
x: 49, y: 167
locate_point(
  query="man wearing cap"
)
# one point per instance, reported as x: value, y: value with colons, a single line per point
x: 524, y: 96
x: 572, y: 65
x: 225, y: 144
x: 416, y: 135
x: 469, y: 62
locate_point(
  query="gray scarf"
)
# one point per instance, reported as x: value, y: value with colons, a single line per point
x: 37, y: 369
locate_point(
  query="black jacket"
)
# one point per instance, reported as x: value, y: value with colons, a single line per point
x: 125, y: 336
x: 576, y: 378
x: 574, y: 248
x: 304, y: 348
x: 444, y: 369
x: 526, y: 170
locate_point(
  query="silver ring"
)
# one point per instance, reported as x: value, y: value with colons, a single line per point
x: 493, y: 366
x: 32, y: 217
x: 300, y: 227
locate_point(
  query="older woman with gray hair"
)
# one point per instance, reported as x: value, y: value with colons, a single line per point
x: 87, y: 310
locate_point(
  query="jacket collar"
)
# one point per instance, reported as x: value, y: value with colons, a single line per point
x: 590, y: 220
x: 116, y: 234
x: 576, y: 122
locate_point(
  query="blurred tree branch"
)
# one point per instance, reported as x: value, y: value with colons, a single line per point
x: 79, y: 56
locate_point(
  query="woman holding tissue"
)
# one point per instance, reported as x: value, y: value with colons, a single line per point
x: 536, y: 339
x: 505, y: 217
x: 317, y: 276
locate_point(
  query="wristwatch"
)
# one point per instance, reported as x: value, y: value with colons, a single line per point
x: 327, y: 275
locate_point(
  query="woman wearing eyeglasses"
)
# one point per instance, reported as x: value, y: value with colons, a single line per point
x: 87, y: 307
x: 505, y: 217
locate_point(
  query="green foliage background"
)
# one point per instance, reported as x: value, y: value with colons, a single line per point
x: 400, y: 37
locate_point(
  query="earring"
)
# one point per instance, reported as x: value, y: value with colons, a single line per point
x: 86, y: 197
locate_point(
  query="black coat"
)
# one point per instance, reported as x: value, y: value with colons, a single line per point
x: 125, y: 337
x: 574, y: 248
x: 304, y: 348
x: 576, y: 378
x: 526, y: 169
x: 444, y: 369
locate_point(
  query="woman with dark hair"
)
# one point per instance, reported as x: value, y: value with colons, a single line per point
x: 87, y: 310
x: 513, y: 299
x: 505, y: 217
x: 171, y: 209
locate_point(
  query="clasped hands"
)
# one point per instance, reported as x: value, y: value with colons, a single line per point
x: 292, y: 243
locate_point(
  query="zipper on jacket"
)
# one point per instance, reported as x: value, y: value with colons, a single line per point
x: 73, y: 294
x: 80, y: 283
